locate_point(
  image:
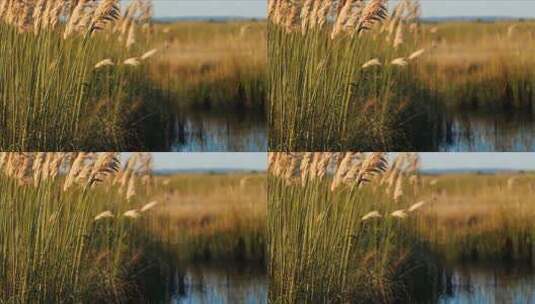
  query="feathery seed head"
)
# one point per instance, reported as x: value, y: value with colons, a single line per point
x: 103, y: 63
x: 399, y: 214
x: 106, y: 164
x: 416, y: 54
x: 374, y: 164
x: 371, y: 215
x: 416, y: 206
x: 375, y: 11
x: 371, y: 63
x: 103, y: 215
x: 399, y: 62
x: 149, y: 54
x: 148, y: 206
x: 106, y: 12
x: 133, y: 214
x: 134, y: 61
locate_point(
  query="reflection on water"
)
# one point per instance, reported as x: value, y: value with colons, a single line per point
x: 228, y: 283
x: 488, y: 285
x: 224, y: 131
x: 476, y: 132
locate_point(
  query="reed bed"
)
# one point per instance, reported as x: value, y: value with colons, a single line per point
x: 339, y: 229
x: 81, y: 227
x: 72, y: 75
x: 334, y: 70
x: 66, y: 226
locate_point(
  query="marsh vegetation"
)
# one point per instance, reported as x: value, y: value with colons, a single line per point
x: 67, y: 223
x: 352, y: 75
x: 82, y: 227
x: 356, y: 227
x: 101, y: 76
x: 215, y: 74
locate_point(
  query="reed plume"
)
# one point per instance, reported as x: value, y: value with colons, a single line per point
x: 371, y: 63
x: 75, y: 170
x: 417, y: 206
x: 371, y: 215
x: 133, y: 214
x: 148, y: 206
x: 342, y: 170
x: 149, y: 54
x: 416, y: 54
x: 103, y: 215
x: 106, y: 164
x: 344, y: 12
x: 399, y: 214
x: 103, y: 63
x: 134, y: 61
x: 373, y: 165
x: 375, y: 11
x: 346, y: 15
x: 131, y: 189
x: 399, y: 62
x: 106, y: 12
x: 398, y: 39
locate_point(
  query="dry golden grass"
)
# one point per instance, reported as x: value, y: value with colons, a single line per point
x: 199, y: 58
x: 67, y: 232
x: 223, y: 214
x: 488, y: 214
x: 471, y: 58
x: 327, y: 231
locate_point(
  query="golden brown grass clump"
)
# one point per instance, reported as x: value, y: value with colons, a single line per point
x: 79, y: 168
x: 350, y: 16
x: 353, y: 169
x: 65, y: 95
x: 320, y: 99
x: 68, y: 230
x: 80, y: 16
x: 338, y: 218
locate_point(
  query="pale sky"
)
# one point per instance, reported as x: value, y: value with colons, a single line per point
x: 508, y: 8
x: 208, y: 160
x: 431, y: 8
x: 195, y: 8
x: 258, y: 161
x: 517, y: 161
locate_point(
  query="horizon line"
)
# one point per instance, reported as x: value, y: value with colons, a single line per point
x: 436, y: 19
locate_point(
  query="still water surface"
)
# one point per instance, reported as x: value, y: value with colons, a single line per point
x: 229, y: 283
x: 220, y: 132
x: 489, y: 285
x: 472, y: 132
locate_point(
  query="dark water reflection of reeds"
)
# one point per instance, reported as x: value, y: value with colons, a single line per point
x: 473, y: 132
x: 487, y: 285
x: 222, y: 131
x: 219, y: 283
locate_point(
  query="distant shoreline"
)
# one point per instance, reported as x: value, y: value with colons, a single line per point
x: 484, y: 171
x: 475, y: 18
x: 424, y: 19
x: 206, y: 19
x: 163, y: 172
